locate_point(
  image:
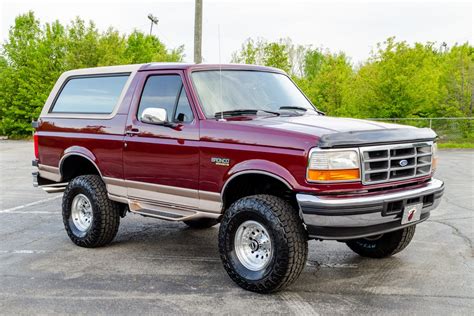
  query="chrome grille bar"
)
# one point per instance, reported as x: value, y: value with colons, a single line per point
x: 395, y: 162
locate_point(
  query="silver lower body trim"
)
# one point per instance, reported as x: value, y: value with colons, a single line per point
x: 329, y: 217
x: 49, y: 172
x: 164, y: 202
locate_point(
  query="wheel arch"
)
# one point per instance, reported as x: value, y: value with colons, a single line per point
x: 77, y: 161
x: 265, y: 176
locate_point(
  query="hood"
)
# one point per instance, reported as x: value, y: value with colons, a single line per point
x: 343, y: 132
x: 317, y: 125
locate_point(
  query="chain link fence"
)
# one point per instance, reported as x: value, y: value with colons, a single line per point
x: 449, y: 129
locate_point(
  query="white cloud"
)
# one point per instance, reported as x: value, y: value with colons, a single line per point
x: 353, y: 27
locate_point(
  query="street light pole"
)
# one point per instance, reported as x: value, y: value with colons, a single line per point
x: 198, y: 32
x: 154, y: 20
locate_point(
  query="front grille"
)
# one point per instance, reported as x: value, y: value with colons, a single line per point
x: 395, y: 162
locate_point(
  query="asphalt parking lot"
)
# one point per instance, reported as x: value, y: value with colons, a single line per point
x: 163, y: 267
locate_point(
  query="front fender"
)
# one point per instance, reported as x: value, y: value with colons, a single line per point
x: 263, y: 167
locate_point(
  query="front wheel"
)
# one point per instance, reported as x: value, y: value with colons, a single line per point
x: 263, y: 243
x: 383, y: 245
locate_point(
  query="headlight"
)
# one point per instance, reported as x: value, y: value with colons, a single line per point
x: 330, y: 166
x: 434, y: 157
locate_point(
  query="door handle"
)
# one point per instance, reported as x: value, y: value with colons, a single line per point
x: 132, y: 131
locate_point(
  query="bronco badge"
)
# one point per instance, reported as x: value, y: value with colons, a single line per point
x: 220, y: 161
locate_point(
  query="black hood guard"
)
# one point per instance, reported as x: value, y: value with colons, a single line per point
x: 376, y: 137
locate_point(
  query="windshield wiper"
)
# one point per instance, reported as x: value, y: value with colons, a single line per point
x: 242, y: 112
x: 289, y: 107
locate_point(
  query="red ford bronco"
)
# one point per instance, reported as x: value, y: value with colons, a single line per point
x: 237, y: 145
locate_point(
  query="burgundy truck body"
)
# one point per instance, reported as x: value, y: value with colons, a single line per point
x: 184, y: 171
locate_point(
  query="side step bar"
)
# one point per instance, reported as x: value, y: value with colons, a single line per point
x: 54, y: 188
x: 48, y: 185
x: 159, y: 214
x: 168, y: 212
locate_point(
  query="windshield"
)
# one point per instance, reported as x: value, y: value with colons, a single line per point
x: 231, y: 90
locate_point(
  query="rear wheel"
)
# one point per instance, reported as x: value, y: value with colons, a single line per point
x: 383, y: 245
x: 263, y: 243
x: 201, y: 223
x: 90, y: 218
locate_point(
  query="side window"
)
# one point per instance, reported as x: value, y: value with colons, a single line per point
x: 95, y: 95
x: 166, y: 92
x: 183, y: 109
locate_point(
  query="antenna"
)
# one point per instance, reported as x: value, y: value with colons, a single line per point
x: 220, y: 69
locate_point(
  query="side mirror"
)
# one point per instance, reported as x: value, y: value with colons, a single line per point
x: 154, y: 116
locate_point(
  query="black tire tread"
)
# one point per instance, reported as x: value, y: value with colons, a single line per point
x: 407, y: 236
x: 106, y: 215
x: 295, y: 237
x: 393, y: 243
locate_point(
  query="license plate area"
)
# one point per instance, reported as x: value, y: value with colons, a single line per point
x: 411, y: 213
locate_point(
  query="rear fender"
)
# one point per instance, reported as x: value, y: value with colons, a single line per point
x: 78, y: 151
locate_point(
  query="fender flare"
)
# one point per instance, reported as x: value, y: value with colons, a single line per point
x: 78, y: 151
x: 259, y: 166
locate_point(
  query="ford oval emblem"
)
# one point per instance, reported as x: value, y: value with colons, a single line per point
x: 403, y: 163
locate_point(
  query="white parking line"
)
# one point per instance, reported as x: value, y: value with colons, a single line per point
x: 21, y: 251
x: 18, y: 208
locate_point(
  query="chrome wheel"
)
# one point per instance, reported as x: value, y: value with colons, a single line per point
x: 253, y: 245
x: 81, y: 212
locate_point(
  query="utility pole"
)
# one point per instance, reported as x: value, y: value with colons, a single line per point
x: 198, y: 32
x: 154, y: 20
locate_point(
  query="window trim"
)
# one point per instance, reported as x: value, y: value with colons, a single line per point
x: 269, y: 70
x: 73, y: 77
x: 175, y: 106
x: 132, y: 70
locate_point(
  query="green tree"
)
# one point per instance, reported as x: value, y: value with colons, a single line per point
x: 457, y: 79
x: 18, y: 101
x: 35, y: 55
x: 143, y: 48
x: 281, y: 54
x: 111, y: 48
x: 326, y: 80
x: 82, y: 45
x: 276, y: 55
x: 313, y: 61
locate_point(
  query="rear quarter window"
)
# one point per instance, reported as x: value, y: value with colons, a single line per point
x: 96, y: 95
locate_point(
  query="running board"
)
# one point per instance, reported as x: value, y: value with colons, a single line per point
x: 54, y: 188
x: 167, y: 211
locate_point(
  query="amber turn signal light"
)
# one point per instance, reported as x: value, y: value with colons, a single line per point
x: 334, y: 175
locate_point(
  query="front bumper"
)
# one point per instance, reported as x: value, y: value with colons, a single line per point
x: 348, y: 217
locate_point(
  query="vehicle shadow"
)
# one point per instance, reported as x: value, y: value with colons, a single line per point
x: 331, y: 267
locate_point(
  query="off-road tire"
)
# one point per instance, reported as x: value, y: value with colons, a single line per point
x: 289, y: 243
x: 387, y: 245
x: 106, y: 213
x: 201, y: 223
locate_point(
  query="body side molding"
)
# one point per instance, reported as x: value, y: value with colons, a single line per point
x: 163, y: 196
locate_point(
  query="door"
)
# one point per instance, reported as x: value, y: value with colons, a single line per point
x: 161, y: 162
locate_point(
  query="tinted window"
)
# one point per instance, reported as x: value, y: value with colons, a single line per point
x: 90, y: 95
x: 166, y: 92
x: 229, y: 90
x: 183, y: 110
